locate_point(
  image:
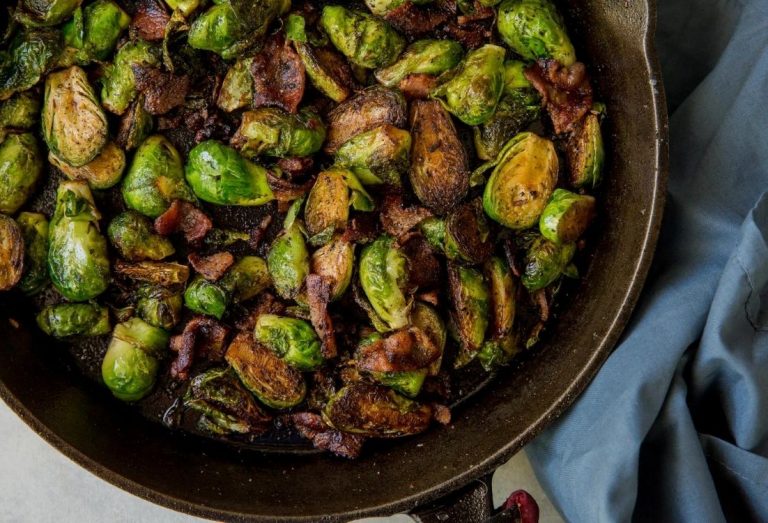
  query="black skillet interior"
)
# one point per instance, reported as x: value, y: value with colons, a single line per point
x: 203, y: 477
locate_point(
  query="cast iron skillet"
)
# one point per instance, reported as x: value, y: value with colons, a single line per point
x: 203, y: 477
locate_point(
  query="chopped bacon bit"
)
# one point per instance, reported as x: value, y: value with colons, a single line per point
x: 397, y: 219
x: 212, y: 267
x: 295, y: 166
x: 415, y: 21
x: 362, y: 229
x: 312, y: 427
x: 566, y: 92
x: 286, y: 191
x: 278, y: 76
x: 202, y: 337
x: 542, y: 303
x: 417, y: 86
x: 162, y: 91
x: 259, y: 231
x: 432, y: 297
x: 265, y: 303
x: 149, y: 21
x: 403, y: 350
x: 471, y: 35
x: 185, y: 218
x: 318, y: 296
x: 424, y: 268
x: 441, y: 414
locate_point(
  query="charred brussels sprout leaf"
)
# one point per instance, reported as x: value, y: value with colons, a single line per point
x: 367, y: 41
x: 218, y: 174
x: 586, y: 154
x: 226, y: 407
x: 45, y: 12
x: 521, y: 182
x: 102, y: 172
x: 467, y: 237
x: 21, y: 165
x: 237, y: 88
x: 274, y: 132
x: 375, y: 411
x: 496, y: 353
x: 77, y: 257
x: 377, y: 156
x: 433, y: 230
x: 544, y: 262
x: 566, y: 216
x: 502, y: 296
x: 426, y: 318
x: 516, y: 111
x: 21, y: 112
x: 206, y: 297
x: 94, y: 31
x: 74, y: 125
x: 30, y: 55
x: 133, y: 236
x: 327, y: 206
x: 423, y: 57
x: 246, y: 278
x: 293, y: 340
x: 11, y: 253
x: 288, y: 262
x: 383, y: 277
x: 335, y: 261
x: 135, y: 126
x: 74, y: 319
x: 34, y: 230
x: 130, y: 365
x: 159, y: 306
x: 155, y: 178
x: 118, y: 86
x: 469, y: 311
x: 270, y: 378
x: 534, y: 29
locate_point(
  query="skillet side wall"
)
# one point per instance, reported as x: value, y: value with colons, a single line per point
x: 200, y: 477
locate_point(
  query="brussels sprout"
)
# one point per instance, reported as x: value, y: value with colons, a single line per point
x: 534, y: 29
x: 514, y: 77
x: 34, y: 230
x: 495, y: 353
x: 439, y: 166
x: 516, y: 111
x: 586, y: 154
x: 293, y: 340
x: 407, y: 383
x: 367, y: 41
x: 521, y: 182
x: 273, y: 132
x: 544, y: 262
x: 226, y: 407
x: 74, y: 319
x: 246, y: 278
x: 135, y: 126
x: 469, y: 309
x: 270, y: 378
x: 133, y: 236
x: 102, y: 172
x: 359, y: 198
x: 566, y: 216
x: 21, y: 165
x: 433, y: 230
x: 327, y: 205
x: 206, y: 297
x: 158, y: 273
x: 118, y: 86
x: 383, y: 277
x: 74, y: 125
x: 229, y: 27
x: 155, y: 178
x: 377, y: 156
x: 237, y: 87
x: 472, y: 90
x: 422, y: 57
x: 375, y: 411
x: 45, y: 12
x: 159, y: 306
x: 185, y: 7
x: 327, y: 71
x: 218, y: 174
x: 30, y: 55
x: 94, y: 30
x: 288, y: 262
x: 130, y: 365
x: 77, y: 257
x: 428, y: 320
x: 467, y: 237
x: 21, y: 112
x: 11, y: 253
x: 335, y: 261
x: 502, y: 295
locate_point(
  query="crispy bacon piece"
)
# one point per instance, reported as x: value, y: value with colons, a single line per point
x: 318, y: 297
x: 149, y: 21
x: 417, y: 86
x: 265, y: 303
x: 212, y: 267
x: 566, y: 92
x: 286, y: 191
x: 432, y: 297
x: 278, y: 76
x: 415, y: 21
x: 480, y: 12
x: 258, y: 232
x: 185, y: 218
x: 396, y: 219
x: 202, y: 337
x: 312, y: 427
x: 406, y: 349
x: 441, y: 414
x: 362, y: 229
x: 471, y: 36
x: 295, y: 166
x: 162, y: 91
x: 424, y: 269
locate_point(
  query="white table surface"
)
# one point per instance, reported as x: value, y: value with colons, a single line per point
x: 37, y: 484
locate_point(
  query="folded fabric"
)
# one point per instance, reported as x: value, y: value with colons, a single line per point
x: 675, y: 425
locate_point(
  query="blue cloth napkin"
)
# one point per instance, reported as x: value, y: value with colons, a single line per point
x: 675, y: 425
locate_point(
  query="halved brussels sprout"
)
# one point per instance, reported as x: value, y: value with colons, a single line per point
x: 439, y: 166
x: 74, y: 124
x: 544, y: 262
x: 226, y: 407
x: 21, y: 112
x: 130, y: 365
x: 377, y: 156
x: 35, y: 13
x: 118, y: 86
x: 586, y: 154
x: 11, y: 253
x: 566, y: 216
x: 288, y: 262
x: 433, y: 230
x: 422, y: 57
x: 133, y: 236
x: 34, y: 230
x: 77, y: 256
x: 21, y: 165
x: 408, y: 383
x: 521, y: 182
x: 270, y: 378
x: 501, y: 288
x: 366, y: 41
x: 94, y: 30
x: 469, y: 309
x: 472, y: 90
x: 335, y: 261
x: 376, y: 411
x: 102, y: 172
x: 327, y: 70
x: 273, y: 132
x: 135, y: 126
x: 516, y: 111
x: 166, y: 274
x: 246, y: 278
x: 327, y: 206
x: 159, y: 306
x: 155, y: 178
x: 383, y: 277
x: 218, y: 174
x: 205, y: 297
x: 237, y: 87
x: 428, y: 320
x: 467, y: 237
x: 293, y: 340
x: 534, y: 29
x: 496, y: 353
x: 30, y: 55
x: 74, y: 319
